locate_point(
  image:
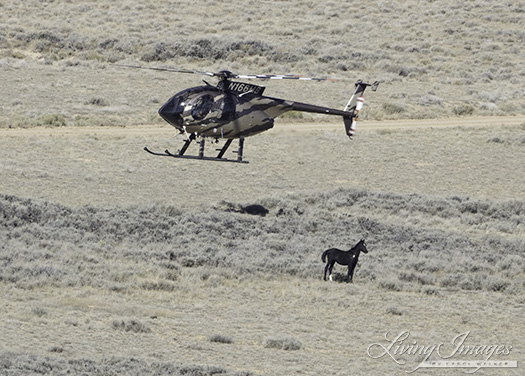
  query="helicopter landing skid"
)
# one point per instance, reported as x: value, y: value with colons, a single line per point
x: 201, y: 156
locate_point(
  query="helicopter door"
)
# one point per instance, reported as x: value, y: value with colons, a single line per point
x: 201, y: 107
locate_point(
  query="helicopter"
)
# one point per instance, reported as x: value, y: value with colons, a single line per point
x: 236, y: 110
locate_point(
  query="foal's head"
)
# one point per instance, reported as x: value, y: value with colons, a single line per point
x: 361, y: 246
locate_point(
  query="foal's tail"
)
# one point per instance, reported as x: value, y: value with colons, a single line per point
x: 323, y: 256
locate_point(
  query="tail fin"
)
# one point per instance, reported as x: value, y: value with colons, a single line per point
x: 355, y: 104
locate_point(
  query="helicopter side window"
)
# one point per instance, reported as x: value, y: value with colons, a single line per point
x: 201, y: 107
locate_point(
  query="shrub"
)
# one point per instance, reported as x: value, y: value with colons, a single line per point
x: 463, y: 109
x: 97, y: 102
x: 34, y: 364
x: 130, y: 326
x: 158, y: 286
x: 394, y: 311
x: 391, y: 108
x: 207, y: 49
x: 430, y: 100
x: 497, y: 284
x: 39, y: 311
x: 196, y: 370
x: 219, y: 338
x: 473, y: 282
x: 53, y: 120
x: 282, y: 343
x: 429, y: 290
x: 451, y: 280
x: 390, y: 284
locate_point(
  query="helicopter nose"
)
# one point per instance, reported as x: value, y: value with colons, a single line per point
x: 172, y: 113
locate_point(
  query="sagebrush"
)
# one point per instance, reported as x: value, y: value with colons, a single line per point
x: 414, y: 241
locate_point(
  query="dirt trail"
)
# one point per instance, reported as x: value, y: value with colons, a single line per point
x: 106, y: 166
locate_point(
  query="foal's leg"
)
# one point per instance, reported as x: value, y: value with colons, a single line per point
x: 330, y: 270
x: 325, y: 270
x: 351, y: 269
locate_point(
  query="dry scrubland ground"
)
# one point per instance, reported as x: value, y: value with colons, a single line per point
x: 116, y: 262
x: 434, y: 59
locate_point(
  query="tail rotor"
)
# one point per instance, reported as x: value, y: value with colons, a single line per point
x: 355, y: 104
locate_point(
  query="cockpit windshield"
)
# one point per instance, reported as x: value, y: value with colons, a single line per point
x: 197, y: 104
x: 201, y: 106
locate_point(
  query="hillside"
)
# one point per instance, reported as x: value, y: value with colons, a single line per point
x: 433, y: 59
x: 116, y: 262
x: 416, y: 243
x: 159, y: 290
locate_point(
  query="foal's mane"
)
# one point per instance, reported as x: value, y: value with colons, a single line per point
x: 358, y: 245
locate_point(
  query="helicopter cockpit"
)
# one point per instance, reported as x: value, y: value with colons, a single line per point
x: 200, y: 106
x: 187, y: 104
x: 195, y: 104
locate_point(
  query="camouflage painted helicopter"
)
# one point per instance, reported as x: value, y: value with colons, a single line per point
x: 235, y: 110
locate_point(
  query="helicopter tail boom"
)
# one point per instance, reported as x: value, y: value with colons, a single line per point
x: 351, y: 111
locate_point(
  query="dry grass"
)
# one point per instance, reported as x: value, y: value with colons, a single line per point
x: 107, y: 166
x: 334, y: 323
x: 122, y: 288
x: 116, y: 262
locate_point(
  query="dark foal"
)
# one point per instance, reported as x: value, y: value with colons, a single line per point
x: 350, y: 258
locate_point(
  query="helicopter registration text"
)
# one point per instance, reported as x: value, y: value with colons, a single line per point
x: 241, y: 87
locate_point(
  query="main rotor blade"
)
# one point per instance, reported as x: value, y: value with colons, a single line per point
x: 227, y: 74
x: 283, y: 77
x: 167, y: 69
